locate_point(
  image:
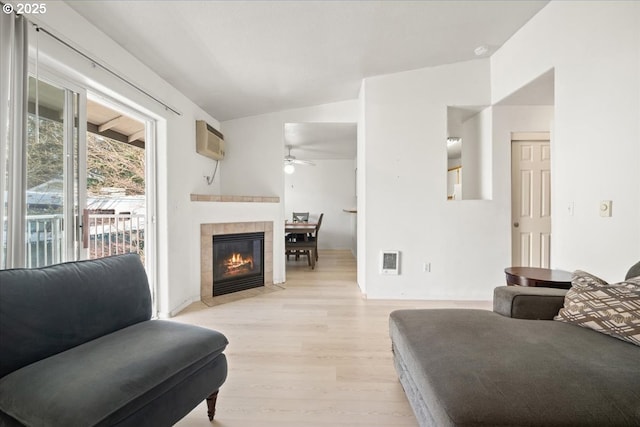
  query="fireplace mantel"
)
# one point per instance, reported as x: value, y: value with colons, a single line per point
x: 236, y: 199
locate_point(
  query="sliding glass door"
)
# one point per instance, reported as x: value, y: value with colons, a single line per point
x: 89, y: 176
x: 77, y: 174
x: 89, y: 179
x: 55, y: 189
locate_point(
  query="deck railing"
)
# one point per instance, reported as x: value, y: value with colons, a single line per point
x: 105, y: 234
x: 44, y: 240
x: 113, y: 234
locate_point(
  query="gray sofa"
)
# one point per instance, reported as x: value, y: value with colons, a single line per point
x: 514, y: 366
x: 78, y: 348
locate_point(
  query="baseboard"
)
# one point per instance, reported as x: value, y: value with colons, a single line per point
x: 178, y: 309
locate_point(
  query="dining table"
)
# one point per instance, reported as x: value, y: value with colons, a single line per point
x: 305, y: 228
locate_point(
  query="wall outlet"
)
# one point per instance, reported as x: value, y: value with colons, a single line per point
x: 426, y: 267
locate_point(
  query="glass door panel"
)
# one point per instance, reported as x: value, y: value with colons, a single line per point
x: 52, y: 174
x: 116, y: 189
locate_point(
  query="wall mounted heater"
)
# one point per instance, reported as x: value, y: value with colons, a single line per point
x: 390, y: 262
x: 209, y: 141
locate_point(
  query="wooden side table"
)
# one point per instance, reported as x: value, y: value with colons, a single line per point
x: 538, y: 277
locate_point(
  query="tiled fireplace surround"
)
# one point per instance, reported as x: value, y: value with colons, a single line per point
x: 206, y: 252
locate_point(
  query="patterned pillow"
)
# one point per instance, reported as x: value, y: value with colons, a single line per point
x: 611, y: 309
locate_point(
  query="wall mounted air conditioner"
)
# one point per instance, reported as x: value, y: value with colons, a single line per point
x: 209, y: 141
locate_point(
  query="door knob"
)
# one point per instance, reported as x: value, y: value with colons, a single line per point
x: 516, y: 224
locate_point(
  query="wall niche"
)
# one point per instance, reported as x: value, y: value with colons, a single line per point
x: 469, y: 147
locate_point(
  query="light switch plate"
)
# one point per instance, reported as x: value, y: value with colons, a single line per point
x: 605, y: 208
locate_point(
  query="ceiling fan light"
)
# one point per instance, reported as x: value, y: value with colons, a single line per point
x: 289, y: 168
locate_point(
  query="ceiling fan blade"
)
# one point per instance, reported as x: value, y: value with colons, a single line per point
x: 289, y: 159
x: 303, y: 162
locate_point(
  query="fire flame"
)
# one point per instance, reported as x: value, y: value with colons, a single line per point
x: 236, y: 261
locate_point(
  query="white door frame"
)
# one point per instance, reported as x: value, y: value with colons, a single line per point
x: 150, y: 166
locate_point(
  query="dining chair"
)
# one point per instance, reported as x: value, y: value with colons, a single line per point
x: 314, y: 237
x: 303, y: 246
x: 289, y: 240
x: 300, y: 216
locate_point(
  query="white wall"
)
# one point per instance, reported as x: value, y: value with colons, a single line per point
x: 486, y: 153
x: 254, y: 155
x: 595, y: 150
x: 405, y: 206
x: 361, y: 194
x: 328, y: 187
x: 468, y: 243
x: 594, y: 47
x: 476, y: 156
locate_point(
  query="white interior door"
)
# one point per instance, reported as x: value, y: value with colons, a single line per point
x: 531, y: 199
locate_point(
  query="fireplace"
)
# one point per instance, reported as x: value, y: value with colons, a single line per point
x: 211, y: 231
x: 238, y: 262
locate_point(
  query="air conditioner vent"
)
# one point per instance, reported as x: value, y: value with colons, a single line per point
x: 209, y: 141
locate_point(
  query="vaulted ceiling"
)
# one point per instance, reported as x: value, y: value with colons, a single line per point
x: 242, y: 58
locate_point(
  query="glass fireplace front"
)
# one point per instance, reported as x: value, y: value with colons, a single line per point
x: 238, y: 262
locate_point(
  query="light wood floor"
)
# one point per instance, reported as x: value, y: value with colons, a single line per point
x: 313, y: 354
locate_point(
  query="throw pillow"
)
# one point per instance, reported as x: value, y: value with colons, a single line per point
x: 613, y: 309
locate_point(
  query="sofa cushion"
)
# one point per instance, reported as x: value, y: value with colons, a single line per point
x: 610, y: 309
x: 44, y: 311
x: 475, y: 367
x: 524, y: 302
x: 111, y: 377
x: 634, y: 271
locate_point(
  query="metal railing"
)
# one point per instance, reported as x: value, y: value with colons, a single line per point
x: 104, y: 235
x: 45, y: 240
x: 113, y: 234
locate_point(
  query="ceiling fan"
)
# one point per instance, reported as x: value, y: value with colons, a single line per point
x: 290, y: 160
